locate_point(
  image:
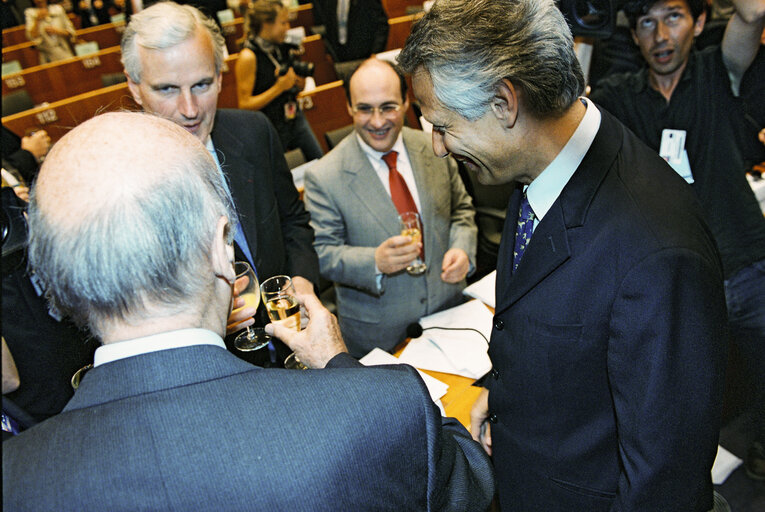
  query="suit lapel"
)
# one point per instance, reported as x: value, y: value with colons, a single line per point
x: 366, y: 186
x: 230, y: 151
x: 425, y: 182
x: 550, y: 246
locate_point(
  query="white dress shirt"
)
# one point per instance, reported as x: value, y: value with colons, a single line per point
x: 162, y: 341
x: 545, y: 189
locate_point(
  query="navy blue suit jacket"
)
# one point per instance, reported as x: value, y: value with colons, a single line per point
x: 195, y: 428
x: 273, y: 218
x: 609, y: 343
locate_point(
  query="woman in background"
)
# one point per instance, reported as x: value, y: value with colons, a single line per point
x: 266, y: 79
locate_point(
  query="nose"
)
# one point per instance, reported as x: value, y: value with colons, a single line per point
x: 187, y: 105
x: 377, y: 120
x: 439, y: 148
x: 662, y: 31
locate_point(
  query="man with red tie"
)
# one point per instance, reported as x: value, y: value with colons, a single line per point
x: 355, y: 195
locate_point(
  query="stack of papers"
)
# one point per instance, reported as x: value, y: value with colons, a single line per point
x: 459, y: 352
x: 483, y: 289
x: 725, y: 463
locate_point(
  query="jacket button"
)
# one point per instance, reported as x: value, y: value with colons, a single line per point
x: 499, y: 324
x: 494, y: 374
x: 423, y: 301
x: 493, y: 419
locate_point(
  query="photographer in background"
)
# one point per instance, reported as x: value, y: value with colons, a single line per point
x: 269, y: 76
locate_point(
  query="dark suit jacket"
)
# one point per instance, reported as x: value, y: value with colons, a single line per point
x: 273, y: 218
x: 367, y: 28
x: 609, y: 343
x: 197, y: 429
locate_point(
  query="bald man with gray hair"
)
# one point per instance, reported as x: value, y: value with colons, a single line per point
x: 131, y: 231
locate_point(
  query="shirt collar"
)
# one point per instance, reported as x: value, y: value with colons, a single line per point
x: 376, y: 156
x: 545, y: 189
x: 154, y: 343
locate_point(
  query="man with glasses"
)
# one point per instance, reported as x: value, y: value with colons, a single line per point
x: 355, y: 195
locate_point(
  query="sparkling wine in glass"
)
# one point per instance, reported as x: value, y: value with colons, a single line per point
x: 411, y: 226
x: 283, y: 307
x: 252, y: 338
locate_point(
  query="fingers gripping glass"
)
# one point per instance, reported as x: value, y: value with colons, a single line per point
x: 252, y: 338
x: 385, y: 110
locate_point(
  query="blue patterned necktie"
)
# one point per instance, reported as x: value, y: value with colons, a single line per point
x: 523, y: 231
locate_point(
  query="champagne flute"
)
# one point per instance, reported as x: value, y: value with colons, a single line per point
x: 411, y: 226
x: 252, y: 338
x: 283, y: 307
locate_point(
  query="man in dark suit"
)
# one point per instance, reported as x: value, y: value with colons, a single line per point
x: 355, y: 29
x: 610, y: 327
x: 131, y: 229
x: 178, y: 76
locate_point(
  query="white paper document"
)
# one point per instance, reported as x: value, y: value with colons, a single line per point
x: 436, y: 388
x: 725, y: 463
x: 460, y: 352
x: 483, y: 289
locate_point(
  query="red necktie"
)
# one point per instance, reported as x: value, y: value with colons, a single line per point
x: 399, y: 192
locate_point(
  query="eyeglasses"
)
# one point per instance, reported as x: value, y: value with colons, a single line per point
x: 386, y: 110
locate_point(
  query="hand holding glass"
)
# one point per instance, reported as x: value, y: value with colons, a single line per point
x: 411, y: 226
x: 252, y: 338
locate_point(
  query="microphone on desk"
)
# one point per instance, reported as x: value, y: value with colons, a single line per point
x: 415, y: 330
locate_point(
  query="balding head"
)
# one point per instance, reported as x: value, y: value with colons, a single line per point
x: 122, y: 218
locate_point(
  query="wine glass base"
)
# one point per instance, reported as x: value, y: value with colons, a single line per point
x: 254, y: 338
x: 293, y: 363
x: 416, y: 269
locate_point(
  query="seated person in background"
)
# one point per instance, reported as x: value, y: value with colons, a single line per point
x: 92, y: 12
x: 51, y: 31
x: 173, y: 419
x: 24, y: 153
x: 173, y: 56
x: 702, y: 96
x: 354, y: 29
x: 267, y: 81
x: 355, y: 194
x: 47, y: 348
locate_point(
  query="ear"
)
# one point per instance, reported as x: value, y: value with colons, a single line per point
x: 222, y: 252
x: 349, y: 109
x: 134, y: 90
x: 504, y: 103
x: 698, y: 26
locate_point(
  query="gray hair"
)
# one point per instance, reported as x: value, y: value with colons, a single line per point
x: 164, y: 25
x: 147, y: 245
x: 469, y: 46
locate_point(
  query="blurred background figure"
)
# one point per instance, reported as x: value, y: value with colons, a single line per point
x: 269, y: 76
x: 51, y: 31
x: 353, y: 30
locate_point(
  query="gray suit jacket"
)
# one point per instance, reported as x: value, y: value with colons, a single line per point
x: 195, y: 428
x: 352, y: 214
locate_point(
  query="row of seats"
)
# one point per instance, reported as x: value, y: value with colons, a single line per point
x: 58, y: 80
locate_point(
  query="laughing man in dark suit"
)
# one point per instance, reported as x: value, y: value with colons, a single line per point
x: 610, y: 328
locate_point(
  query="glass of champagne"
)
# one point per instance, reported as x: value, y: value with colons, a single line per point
x: 252, y: 338
x: 411, y: 226
x: 283, y: 307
